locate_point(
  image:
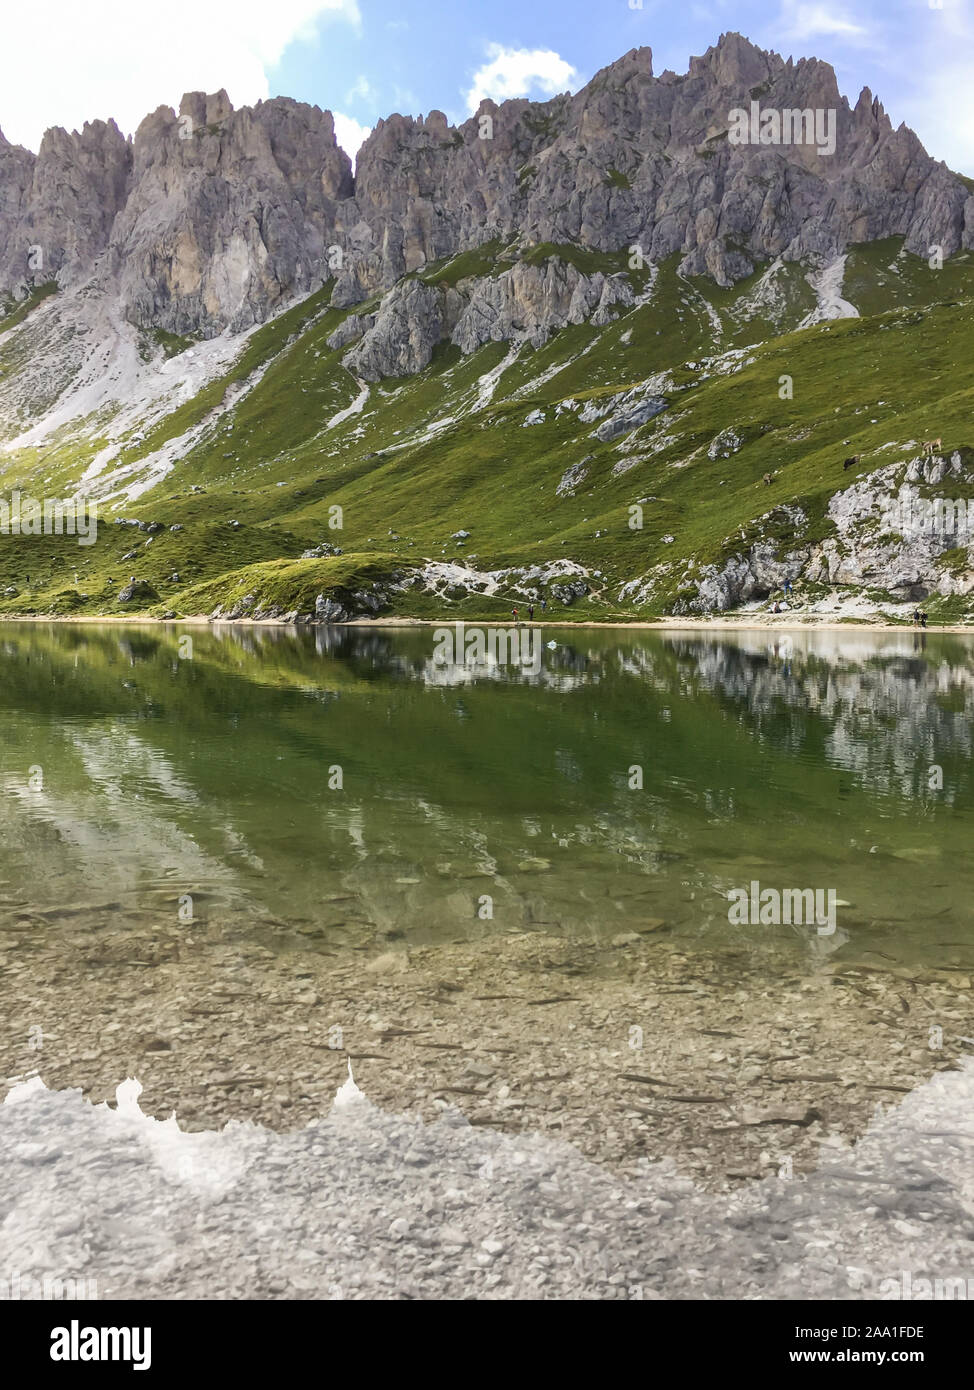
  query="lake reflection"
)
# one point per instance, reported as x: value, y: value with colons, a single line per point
x: 344, y: 787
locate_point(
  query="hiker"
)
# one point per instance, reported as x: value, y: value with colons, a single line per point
x: 544, y: 603
x: 514, y: 615
x: 923, y: 619
x: 530, y: 612
x: 916, y: 617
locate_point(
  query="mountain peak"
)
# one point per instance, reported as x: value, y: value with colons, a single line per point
x: 218, y: 232
x: 735, y: 61
x: 636, y: 61
x: 206, y: 109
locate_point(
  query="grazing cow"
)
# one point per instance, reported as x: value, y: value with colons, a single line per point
x: 767, y: 480
x: 930, y: 447
x: 851, y: 463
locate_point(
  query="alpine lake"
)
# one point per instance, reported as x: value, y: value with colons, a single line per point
x: 234, y: 859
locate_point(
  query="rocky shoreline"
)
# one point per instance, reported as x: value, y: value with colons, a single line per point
x: 365, y: 1204
x: 785, y: 622
x: 733, y: 1066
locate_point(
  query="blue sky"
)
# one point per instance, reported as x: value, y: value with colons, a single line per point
x: 367, y: 58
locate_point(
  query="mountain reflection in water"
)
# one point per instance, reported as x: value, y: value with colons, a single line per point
x: 343, y: 785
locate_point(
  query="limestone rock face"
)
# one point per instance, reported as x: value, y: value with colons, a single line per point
x: 230, y: 213
x: 212, y: 219
x: 349, y: 330
x: 743, y: 577
x: 526, y: 303
x: 636, y: 160
x: 57, y: 207
x: 406, y: 329
x: 886, y: 538
x: 531, y: 301
x: 636, y: 409
x: 329, y: 610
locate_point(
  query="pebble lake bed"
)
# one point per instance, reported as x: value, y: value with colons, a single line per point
x: 233, y: 875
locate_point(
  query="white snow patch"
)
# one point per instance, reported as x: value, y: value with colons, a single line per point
x: 196, y: 1160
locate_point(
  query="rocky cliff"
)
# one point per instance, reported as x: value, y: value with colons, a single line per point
x: 500, y: 362
x: 636, y: 160
x: 210, y: 219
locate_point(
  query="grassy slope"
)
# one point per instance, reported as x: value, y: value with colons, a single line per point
x: 14, y: 313
x: 275, y: 466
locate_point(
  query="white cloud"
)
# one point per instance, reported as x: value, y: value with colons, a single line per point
x: 516, y: 72
x: 123, y: 59
x: 807, y: 21
x: 350, y: 134
x: 360, y: 89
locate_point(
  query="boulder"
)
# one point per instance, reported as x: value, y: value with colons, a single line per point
x: 138, y: 591
x: 329, y: 610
